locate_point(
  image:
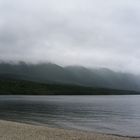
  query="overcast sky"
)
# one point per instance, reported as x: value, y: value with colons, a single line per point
x: 92, y: 33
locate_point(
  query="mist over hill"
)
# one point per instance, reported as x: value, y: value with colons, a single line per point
x: 71, y: 75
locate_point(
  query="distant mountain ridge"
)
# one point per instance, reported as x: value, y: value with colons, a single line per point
x: 72, y: 75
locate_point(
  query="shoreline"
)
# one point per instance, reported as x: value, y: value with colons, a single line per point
x: 20, y: 131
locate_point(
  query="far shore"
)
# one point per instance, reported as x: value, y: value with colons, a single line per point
x: 19, y: 131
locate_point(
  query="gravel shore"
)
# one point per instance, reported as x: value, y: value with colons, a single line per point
x: 18, y: 131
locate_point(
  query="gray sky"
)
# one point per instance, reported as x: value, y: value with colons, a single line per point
x: 92, y: 33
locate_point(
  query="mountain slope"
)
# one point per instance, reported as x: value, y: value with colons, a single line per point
x: 22, y: 87
x: 106, y: 78
x: 72, y: 75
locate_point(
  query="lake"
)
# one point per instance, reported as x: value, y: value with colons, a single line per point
x: 106, y: 114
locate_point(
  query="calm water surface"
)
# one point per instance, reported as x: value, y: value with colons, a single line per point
x: 107, y: 114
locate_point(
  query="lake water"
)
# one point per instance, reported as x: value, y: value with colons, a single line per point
x: 108, y: 114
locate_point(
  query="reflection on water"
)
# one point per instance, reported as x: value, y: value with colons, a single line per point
x: 108, y: 114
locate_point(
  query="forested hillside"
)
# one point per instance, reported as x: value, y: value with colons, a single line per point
x: 72, y: 75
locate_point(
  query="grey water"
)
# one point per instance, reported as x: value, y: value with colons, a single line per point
x: 106, y: 114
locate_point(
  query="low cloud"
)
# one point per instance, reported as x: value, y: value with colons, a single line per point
x: 91, y: 33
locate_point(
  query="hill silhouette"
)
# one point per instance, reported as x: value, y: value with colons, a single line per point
x: 72, y: 75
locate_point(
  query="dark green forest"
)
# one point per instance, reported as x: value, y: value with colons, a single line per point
x: 51, y: 79
x: 21, y: 87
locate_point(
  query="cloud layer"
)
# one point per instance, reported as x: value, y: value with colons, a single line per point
x: 91, y: 33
